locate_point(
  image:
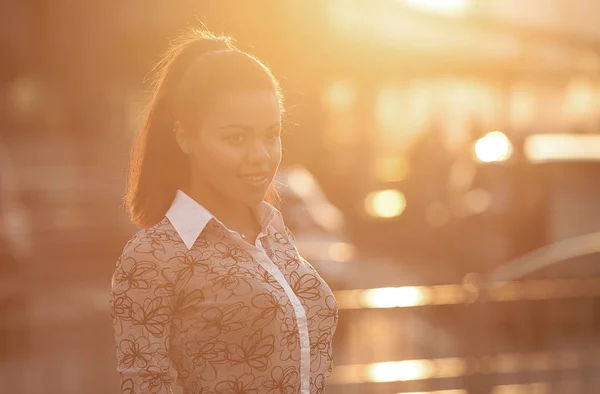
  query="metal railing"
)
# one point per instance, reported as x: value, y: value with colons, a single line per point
x: 507, y: 332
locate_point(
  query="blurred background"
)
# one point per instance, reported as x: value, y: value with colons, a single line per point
x: 441, y: 170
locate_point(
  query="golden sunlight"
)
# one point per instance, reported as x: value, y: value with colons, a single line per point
x: 385, y: 203
x: 493, y: 147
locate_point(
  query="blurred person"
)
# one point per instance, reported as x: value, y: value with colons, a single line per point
x: 211, y: 292
x: 430, y: 161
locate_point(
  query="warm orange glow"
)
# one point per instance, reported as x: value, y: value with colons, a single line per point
x: 400, y: 371
x: 382, y: 102
x: 340, y: 96
x: 388, y: 108
x: 385, y: 203
x: 410, y: 370
x: 24, y: 93
x: 437, y: 214
x: 412, y: 296
x: 562, y: 147
x: 523, y: 106
x: 451, y: 7
x: 478, y: 200
x: 391, y: 169
x: 395, y: 297
x: 439, y: 392
x: 580, y: 100
x: 341, y: 252
x: 494, y: 146
x: 537, y: 388
x: 301, y: 182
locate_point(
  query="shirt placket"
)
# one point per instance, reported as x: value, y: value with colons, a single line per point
x: 300, y: 314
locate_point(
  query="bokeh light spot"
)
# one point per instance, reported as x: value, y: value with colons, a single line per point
x: 494, y: 146
x: 385, y: 203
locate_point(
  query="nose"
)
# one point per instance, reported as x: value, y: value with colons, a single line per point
x: 258, y: 152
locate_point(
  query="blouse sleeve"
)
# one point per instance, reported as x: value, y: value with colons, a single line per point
x: 141, y: 306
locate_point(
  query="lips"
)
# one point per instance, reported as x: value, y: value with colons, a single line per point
x: 256, y: 179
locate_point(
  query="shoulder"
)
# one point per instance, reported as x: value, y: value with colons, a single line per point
x: 156, y: 244
x: 144, y: 263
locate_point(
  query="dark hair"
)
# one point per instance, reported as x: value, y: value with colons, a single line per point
x: 197, y: 66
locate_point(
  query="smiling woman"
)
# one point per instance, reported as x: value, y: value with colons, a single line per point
x: 203, y: 84
x: 234, y: 153
x: 212, y: 292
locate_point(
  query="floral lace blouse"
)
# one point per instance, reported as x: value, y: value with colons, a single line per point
x: 193, y: 303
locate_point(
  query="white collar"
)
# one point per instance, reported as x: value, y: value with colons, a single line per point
x: 190, y: 218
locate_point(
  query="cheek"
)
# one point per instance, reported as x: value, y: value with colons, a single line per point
x: 218, y: 159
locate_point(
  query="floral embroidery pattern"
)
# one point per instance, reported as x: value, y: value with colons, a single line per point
x: 136, y: 275
x: 245, y: 384
x: 136, y: 352
x: 270, y: 307
x: 217, y: 321
x: 253, y: 353
x: 282, y: 381
x: 289, y: 340
x: 190, y: 263
x: 152, y: 316
x: 215, y: 317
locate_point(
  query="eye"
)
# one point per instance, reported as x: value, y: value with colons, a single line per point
x: 236, y: 138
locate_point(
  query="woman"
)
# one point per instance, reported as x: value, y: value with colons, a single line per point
x: 211, y: 293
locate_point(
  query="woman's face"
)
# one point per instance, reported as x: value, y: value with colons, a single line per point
x: 237, y: 150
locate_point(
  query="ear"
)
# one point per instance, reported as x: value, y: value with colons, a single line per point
x: 183, y: 138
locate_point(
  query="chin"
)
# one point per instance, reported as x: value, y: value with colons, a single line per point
x: 253, y: 201
x: 249, y: 199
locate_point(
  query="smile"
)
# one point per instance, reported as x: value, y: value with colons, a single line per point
x: 255, y: 180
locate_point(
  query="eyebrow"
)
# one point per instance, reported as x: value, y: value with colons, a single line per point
x: 247, y: 127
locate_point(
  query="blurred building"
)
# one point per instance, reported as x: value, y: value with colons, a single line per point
x: 407, y: 90
x: 383, y: 96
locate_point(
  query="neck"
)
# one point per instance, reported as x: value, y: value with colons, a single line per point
x: 234, y: 215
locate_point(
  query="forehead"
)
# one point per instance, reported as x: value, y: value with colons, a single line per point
x: 256, y: 108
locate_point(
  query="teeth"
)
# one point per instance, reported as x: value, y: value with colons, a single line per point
x: 255, y: 179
